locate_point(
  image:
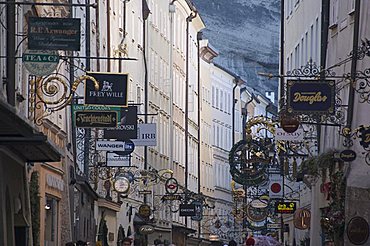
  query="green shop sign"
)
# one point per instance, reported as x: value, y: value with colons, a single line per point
x: 89, y: 116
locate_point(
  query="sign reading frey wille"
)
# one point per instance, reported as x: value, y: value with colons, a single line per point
x: 87, y: 116
x: 54, y: 33
x: 112, y: 89
x: 311, y: 96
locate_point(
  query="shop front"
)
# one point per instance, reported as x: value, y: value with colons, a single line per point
x: 20, y: 145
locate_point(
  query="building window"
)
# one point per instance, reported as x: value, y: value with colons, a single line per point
x: 51, y: 221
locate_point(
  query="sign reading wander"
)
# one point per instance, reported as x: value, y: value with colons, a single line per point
x: 54, y: 33
x: 112, y: 89
x: 311, y: 96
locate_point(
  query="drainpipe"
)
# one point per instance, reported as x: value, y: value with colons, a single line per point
x: 188, y: 20
x: 351, y: 96
x: 108, y: 35
x: 282, y: 89
x: 10, y: 52
x: 172, y: 10
x: 146, y: 95
x: 199, y: 37
x: 233, y: 110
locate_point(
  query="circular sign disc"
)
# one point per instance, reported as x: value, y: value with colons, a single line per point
x: 358, y: 230
x: 40, y: 62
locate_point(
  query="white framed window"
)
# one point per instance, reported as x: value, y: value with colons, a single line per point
x: 333, y: 13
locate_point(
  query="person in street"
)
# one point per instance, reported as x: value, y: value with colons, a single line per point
x: 126, y: 241
x: 233, y: 243
x: 250, y: 241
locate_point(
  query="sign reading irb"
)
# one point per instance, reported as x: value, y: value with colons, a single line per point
x: 311, y: 96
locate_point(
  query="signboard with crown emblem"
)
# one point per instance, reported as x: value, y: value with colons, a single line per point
x: 112, y: 89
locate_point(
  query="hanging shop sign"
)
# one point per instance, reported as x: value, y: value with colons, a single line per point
x: 347, y: 155
x: 188, y: 210
x: 358, y: 230
x: 256, y: 214
x: 90, y: 116
x: 275, y: 186
x: 129, y: 148
x: 145, y: 192
x: 127, y: 125
x: 40, y: 62
x: 258, y: 203
x: 114, y: 160
x: 146, y: 229
x: 171, y: 197
x: 274, y: 226
x: 289, y: 124
x: 146, y: 135
x: 285, y: 207
x: 171, y: 186
x: 302, y: 218
x: 112, y: 89
x: 311, y: 96
x: 145, y: 211
x: 54, y: 33
x: 281, y: 135
x: 364, y: 136
x: 198, y: 211
x: 104, y: 145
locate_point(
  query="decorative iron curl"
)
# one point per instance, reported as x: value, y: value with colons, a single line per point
x: 310, y: 70
x: 55, y: 93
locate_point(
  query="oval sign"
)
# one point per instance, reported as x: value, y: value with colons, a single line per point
x: 129, y: 148
x: 358, y: 230
x: 302, y: 218
x: 146, y: 229
x: 289, y: 125
x: 40, y: 62
x: 259, y: 203
x: 348, y: 155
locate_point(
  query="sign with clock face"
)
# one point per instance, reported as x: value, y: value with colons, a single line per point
x: 121, y: 184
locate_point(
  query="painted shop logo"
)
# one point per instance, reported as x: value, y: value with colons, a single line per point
x: 112, y: 89
x: 311, y: 96
x: 107, y: 91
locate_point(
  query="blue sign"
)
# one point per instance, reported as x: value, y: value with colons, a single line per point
x: 198, y: 211
x: 129, y: 148
x: 311, y: 96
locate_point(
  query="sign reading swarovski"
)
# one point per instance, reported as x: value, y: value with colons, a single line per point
x: 311, y: 96
x: 112, y: 89
x: 127, y: 126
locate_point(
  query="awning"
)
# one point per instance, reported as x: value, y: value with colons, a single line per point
x: 23, y: 139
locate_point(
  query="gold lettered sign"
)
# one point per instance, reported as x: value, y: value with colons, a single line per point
x: 364, y: 136
x: 285, y: 207
x: 90, y: 116
x: 311, y: 96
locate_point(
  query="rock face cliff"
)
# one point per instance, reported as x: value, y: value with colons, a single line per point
x: 246, y: 35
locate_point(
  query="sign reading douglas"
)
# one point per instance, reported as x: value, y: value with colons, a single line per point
x: 54, y: 33
x: 311, y: 96
x: 112, y: 89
